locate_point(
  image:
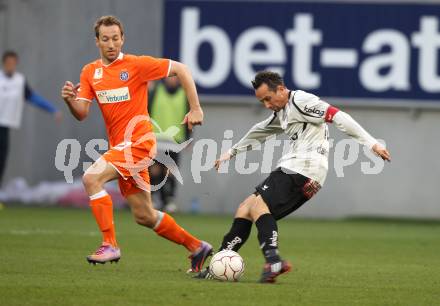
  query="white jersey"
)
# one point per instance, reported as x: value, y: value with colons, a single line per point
x: 303, y: 120
x: 12, y: 97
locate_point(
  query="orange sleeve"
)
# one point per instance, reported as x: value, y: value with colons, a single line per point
x: 151, y: 68
x: 85, y: 91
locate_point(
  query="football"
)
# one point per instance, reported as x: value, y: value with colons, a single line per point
x: 226, y: 265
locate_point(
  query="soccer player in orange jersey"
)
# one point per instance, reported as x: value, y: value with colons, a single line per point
x: 118, y: 82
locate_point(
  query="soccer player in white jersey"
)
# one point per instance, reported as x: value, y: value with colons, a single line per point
x: 299, y: 174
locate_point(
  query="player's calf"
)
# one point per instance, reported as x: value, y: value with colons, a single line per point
x: 268, y: 237
x: 237, y: 235
x: 233, y: 240
x: 147, y: 220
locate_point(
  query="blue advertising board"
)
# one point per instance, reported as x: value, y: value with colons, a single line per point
x: 357, y: 50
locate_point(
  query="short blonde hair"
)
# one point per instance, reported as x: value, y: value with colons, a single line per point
x: 108, y: 21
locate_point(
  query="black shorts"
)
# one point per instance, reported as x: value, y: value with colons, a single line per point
x: 285, y: 192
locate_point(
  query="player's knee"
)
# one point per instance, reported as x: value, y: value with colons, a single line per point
x: 258, y: 209
x: 90, y: 181
x: 243, y: 210
x: 254, y: 214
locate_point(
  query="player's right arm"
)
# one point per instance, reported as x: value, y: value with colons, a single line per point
x: 258, y: 133
x: 78, y: 98
x: 195, y: 114
x: 78, y: 107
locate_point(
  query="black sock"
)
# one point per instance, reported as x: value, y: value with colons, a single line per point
x: 268, y: 237
x: 237, y: 235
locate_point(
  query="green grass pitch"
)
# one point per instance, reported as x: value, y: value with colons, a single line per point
x: 351, y: 262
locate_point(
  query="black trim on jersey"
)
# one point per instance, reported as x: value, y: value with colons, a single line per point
x: 304, y: 126
x: 273, y: 118
x: 305, y: 114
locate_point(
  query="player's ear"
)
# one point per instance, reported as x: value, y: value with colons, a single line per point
x: 280, y: 89
x: 97, y: 41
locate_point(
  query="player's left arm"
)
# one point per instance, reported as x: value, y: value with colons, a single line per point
x: 195, y: 114
x: 317, y: 111
x: 349, y: 126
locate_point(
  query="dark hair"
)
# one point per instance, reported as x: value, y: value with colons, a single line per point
x: 271, y: 79
x: 108, y: 21
x: 9, y: 53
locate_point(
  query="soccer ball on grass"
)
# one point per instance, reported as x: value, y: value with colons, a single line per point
x: 226, y: 265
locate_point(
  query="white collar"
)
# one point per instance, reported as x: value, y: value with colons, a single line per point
x: 120, y: 56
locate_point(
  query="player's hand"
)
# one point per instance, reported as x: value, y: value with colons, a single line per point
x: 224, y: 157
x: 194, y: 117
x: 69, y: 91
x: 380, y: 151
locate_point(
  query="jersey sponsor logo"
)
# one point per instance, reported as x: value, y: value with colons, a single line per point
x: 124, y: 75
x: 113, y: 95
x: 98, y: 73
x: 314, y: 111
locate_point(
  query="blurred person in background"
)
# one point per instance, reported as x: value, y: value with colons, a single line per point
x: 167, y: 107
x: 14, y: 91
x: 118, y: 82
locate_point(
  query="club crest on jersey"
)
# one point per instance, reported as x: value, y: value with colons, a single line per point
x: 124, y: 75
x: 98, y: 73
